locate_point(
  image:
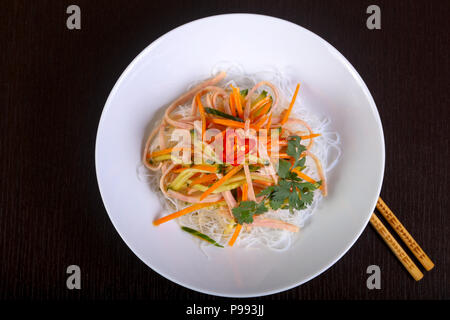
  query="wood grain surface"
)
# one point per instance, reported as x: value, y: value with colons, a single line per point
x: 53, y: 86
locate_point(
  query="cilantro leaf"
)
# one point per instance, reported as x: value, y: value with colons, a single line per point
x: 276, y: 204
x: 295, y: 150
x: 307, y: 197
x: 267, y: 191
x: 283, y: 168
x: 247, y: 209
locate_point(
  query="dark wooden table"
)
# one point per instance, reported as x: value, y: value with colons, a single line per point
x: 54, y: 83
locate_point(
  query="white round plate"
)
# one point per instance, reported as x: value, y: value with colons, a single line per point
x: 161, y: 73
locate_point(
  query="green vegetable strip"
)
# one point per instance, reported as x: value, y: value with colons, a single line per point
x: 181, y: 179
x: 162, y: 157
x: 222, y: 188
x: 201, y: 236
x: 261, y: 96
x: 222, y: 114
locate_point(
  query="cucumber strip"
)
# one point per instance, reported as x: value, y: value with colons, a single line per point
x: 222, y: 114
x: 162, y: 157
x: 201, y: 236
x: 262, y: 178
x: 180, y: 181
x: 261, y: 96
x: 222, y: 188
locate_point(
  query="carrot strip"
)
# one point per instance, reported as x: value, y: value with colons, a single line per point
x: 259, y: 104
x: 281, y: 143
x: 262, y: 182
x: 187, y: 210
x: 288, y: 112
x: 239, y: 227
x: 165, y: 151
x: 304, y: 176
x: 284, y: 142
x: 310, y: 136
x: 217, y: 184
x: 237, y: 101
x: 206, y: 178
x: 235, y: 235
x: 260, y: 122
x: 232, y: 108
x: 228, y: 123
x: 205, y: 167
x: 244, y: 192
x: 283, y: 155
x: 269, y: 122
x: 202, y: 115
x: 261, y: 111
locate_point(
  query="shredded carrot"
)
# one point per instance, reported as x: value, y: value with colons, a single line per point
x: 239, y: 227
x: 259, y: 104
x: 259, y: 108
x: 260, y: 122
x: 165, y: 151
x: 228, y: 123
x: 283, y: 155
x: 261, y: 111
x: 232, y: 108
x: 284, y: 142
x: 187, y: 210
x: 304, y: 176
x: 269, y: 122
x: 202, y: 115
x: 258, y: 189
x: 236, y: 94
x: 244, y: 192
x: 286, y: 115
x: 235, y: 235
x: 281, y: 143
x: 310, y: 136
x: 262, y: 182
x: 205, y: 167
x: 205, y: 179
x: 218, y: 183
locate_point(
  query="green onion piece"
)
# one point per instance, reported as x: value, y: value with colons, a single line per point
x: 201, y: 236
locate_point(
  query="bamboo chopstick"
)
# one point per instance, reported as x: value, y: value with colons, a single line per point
x: 396, y: 248
x: 404, y: 235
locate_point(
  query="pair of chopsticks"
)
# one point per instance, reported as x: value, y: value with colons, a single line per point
x: 405, y: 236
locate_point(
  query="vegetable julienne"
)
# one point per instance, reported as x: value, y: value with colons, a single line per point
x: 237, y: 193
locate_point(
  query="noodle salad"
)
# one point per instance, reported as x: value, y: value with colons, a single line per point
x: 236, y: 163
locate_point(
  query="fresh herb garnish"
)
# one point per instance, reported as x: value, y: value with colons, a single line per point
x: 221, y: 168
x: 247, y: 209
x: 291, y: 192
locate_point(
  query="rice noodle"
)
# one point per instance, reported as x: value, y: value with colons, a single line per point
x: 322, y: 155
